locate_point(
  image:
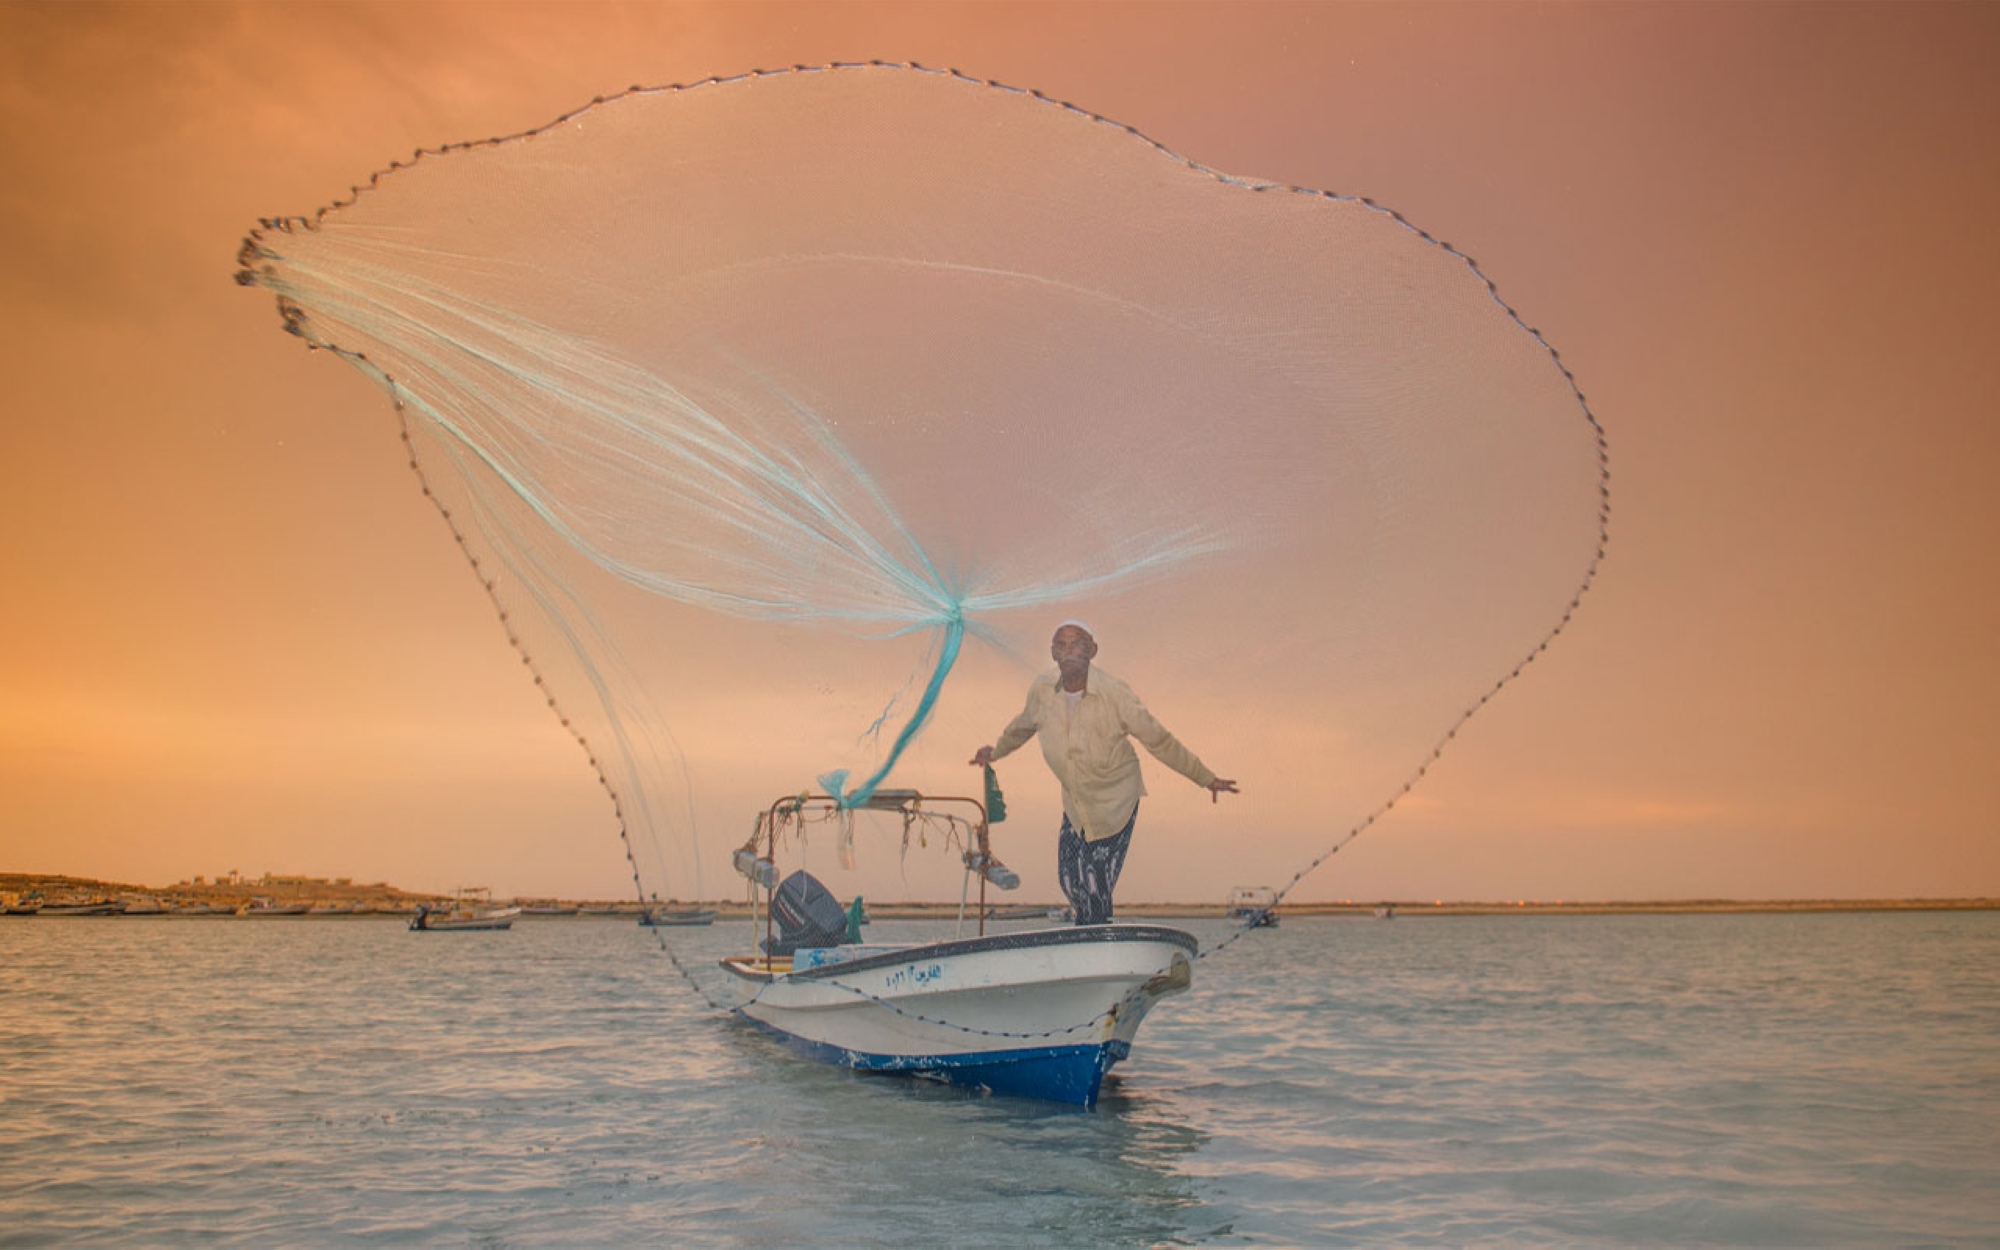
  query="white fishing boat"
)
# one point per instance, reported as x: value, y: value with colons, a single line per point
x: 1252, y: 906
x: 471, y: 909
x: 1042, y: 1013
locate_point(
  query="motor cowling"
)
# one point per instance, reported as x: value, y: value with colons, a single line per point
x: 807, y: 915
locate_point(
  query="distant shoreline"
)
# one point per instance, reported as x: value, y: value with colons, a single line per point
x: 343, y: 898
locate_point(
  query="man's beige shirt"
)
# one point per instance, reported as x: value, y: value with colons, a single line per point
x: 1089, y: 751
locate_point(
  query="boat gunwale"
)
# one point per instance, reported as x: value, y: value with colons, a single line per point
x: 755, y: 968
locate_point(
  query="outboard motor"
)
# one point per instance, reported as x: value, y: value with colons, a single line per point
x: 808, y: 915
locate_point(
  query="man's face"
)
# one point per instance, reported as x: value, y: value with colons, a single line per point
x: 1073, y: 649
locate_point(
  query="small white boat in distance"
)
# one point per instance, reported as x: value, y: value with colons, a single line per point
x: 1252, y: 907
x: 472, y: 909
x: 662, y: 917
x: 83, y: 907
x: 1042, y: 1013
x: 1028, y: 912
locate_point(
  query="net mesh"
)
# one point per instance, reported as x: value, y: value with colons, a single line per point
x: 781, y: 417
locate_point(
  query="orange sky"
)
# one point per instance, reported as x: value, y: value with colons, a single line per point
x: 235, y: 637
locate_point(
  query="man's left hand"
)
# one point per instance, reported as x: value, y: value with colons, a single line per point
x: 1219, y: 787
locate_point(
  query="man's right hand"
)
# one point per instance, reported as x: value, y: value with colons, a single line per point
x: 982, y: 757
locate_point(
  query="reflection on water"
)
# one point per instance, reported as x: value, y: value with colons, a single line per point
x: 898, y: 1160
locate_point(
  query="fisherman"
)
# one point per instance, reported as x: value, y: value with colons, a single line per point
x: 1085, y: 717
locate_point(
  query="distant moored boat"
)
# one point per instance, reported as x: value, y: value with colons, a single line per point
x: 660, y: 917
x: 472, y: 909
x: 95, y: 907
x: 266, y: 907
x: 1253, y: 906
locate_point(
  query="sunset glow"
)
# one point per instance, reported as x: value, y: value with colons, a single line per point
x: 237, y: 637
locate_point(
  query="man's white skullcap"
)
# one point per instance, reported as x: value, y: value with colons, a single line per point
x: 1080, y: 625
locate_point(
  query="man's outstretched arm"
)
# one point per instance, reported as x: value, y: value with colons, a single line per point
x: 1167, y: 749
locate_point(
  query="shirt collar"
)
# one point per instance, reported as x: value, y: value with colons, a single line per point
x: 1089, y: 681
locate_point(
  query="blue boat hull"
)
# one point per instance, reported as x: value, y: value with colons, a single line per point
x: 1071, y: 1074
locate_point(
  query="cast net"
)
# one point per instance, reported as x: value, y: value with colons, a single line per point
x: 782, y: 417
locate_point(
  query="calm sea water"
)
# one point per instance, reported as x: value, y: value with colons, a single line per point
x: 1816, y: 1080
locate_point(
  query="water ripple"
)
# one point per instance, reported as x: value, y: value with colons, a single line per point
x: 1773, y: 1080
